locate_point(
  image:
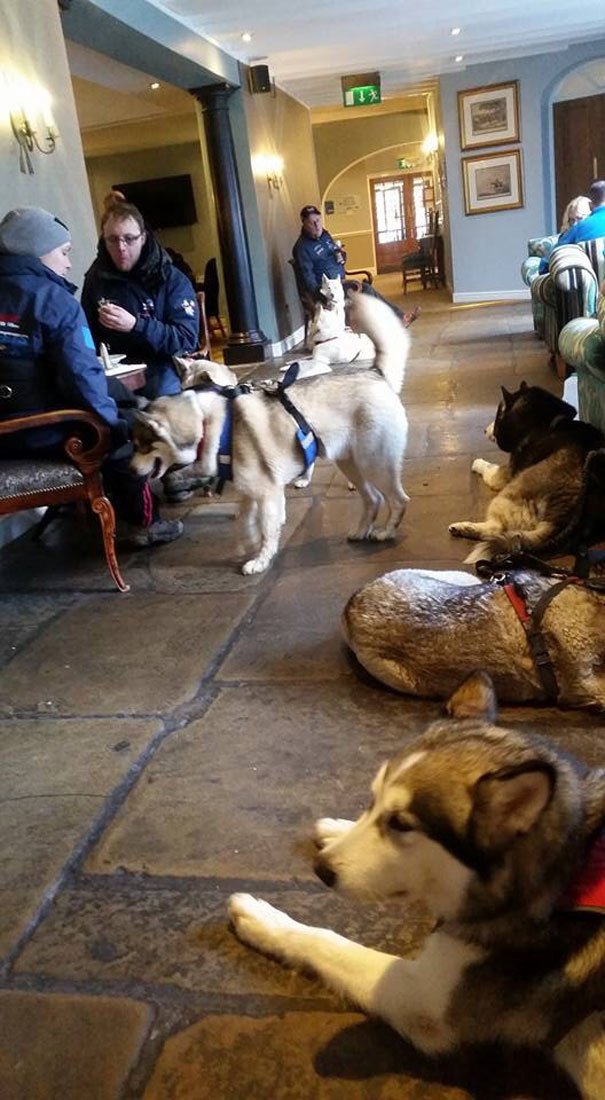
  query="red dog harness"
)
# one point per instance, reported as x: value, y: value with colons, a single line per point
x: 531, y: 621
x: 586, y: 892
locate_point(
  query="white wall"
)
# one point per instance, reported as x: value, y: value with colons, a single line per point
x: 32, y: 43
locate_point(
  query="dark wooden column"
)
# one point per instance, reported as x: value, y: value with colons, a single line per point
x: 246, y: 344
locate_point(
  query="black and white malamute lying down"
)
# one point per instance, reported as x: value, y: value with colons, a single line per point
x: 538, y: 489
x: 488, y: 828
x: 357, y: 415
x: 420, y: 631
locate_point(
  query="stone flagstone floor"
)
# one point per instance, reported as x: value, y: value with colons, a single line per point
x: 162, y: 748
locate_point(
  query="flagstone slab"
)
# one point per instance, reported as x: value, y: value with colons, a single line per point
x: 128, y: 655
x: 236, y: 792
x: 23, y: 615
x: 167, y: 933
x: 56, y: 1047
x: 208, y: 558
x: 325, y: 1056
x: 54, y: 778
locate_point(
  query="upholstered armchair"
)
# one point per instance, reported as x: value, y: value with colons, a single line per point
x: 38, y: 482
x: 538, y: 249
x: 582, y: 347
x: 570, y: 290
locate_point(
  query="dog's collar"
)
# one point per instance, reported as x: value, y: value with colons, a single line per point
x: 586, y: 892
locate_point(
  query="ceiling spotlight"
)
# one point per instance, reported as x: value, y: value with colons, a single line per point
x: 455, y: 30
x: 459, y: 57
x: 154, y: 86
x: 246, y: 36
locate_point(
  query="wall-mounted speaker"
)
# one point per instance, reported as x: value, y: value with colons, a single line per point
x: 260, y: 81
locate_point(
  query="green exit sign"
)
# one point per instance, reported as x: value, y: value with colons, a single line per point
x: 360, y: 89
x: 362, y: 97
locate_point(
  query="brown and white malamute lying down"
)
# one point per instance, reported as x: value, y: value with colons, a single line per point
x: 357, y: 415
x: 420, y: 632
x: 488, y: 828
x: 538, y: 489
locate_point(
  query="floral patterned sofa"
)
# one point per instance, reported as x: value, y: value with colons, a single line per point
x: 582, y: 346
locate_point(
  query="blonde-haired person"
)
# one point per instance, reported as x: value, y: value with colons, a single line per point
x: 575, y: 211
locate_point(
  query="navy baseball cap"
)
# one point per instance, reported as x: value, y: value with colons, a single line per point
x: 306, y: 210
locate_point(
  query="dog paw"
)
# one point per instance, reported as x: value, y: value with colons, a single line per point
x: 257, y: 923
x: 254, y: 565
x: 328, y: 829
x: 458, y: 530
x: 301, y: 483
x: 381, y: 534
x: 480, y: 465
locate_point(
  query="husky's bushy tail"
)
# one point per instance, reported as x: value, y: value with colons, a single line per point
x: 371, y: 315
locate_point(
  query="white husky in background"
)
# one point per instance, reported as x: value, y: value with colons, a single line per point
x: 329, y: 339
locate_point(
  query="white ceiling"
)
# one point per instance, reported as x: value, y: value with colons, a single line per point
x: 309, y: 45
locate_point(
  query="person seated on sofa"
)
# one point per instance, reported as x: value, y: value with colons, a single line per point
x: 575, y: 211
x: 48, y: 361
x: 316, y: 254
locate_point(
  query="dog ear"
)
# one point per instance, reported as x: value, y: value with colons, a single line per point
x: 507, y: 397
x: 475, y: 698
x: 523, y: 387
x: 508, y: 803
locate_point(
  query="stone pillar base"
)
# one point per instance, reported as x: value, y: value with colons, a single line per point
x: 252, y: 351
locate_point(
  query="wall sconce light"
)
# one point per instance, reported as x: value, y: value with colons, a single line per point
x: 271, y: 166
x: 430, y: 145
x: 28, y: 101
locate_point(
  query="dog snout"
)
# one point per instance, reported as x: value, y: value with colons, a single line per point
x: 324, y: 872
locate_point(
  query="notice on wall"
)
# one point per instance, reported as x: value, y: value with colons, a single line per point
x: 346, y: 204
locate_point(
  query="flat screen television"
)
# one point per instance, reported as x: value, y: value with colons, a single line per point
x: 164, y: 203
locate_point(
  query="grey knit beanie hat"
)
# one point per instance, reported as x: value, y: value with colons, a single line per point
x: 31, y: 231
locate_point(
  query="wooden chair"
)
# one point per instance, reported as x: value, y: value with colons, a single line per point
x: 423, y: 262
x: 205, y: 346
x: 32, y: 482
x: 210, y: 287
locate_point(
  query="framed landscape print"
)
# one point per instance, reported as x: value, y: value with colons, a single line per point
x: 492, y: 182
x: 489, y: 116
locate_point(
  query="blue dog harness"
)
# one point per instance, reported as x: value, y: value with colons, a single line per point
x: 308, y: 440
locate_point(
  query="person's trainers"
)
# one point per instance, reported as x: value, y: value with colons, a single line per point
x: 178, y: 487
x: 161, y: 530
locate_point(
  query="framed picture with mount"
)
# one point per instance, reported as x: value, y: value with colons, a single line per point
x: 492, y: 182
x: 489, y: 115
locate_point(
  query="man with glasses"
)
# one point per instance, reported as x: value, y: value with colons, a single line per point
x: 140, y: 305
x: 137, y: 302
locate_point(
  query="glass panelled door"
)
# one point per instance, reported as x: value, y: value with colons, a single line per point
x: 400, y: 214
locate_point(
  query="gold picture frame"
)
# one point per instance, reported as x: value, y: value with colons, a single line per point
x: 492, y: 182
x: 489, y: 115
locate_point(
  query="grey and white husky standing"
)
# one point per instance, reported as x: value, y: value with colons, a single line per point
x: 356, y: 415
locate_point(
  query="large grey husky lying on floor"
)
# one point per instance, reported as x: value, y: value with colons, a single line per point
x: 420, y: 631
x: 356, y: 414
x: 489, y: 829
